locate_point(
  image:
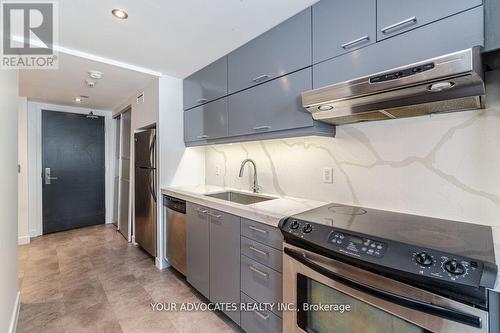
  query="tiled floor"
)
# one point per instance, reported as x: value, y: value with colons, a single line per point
x: 91, y: 280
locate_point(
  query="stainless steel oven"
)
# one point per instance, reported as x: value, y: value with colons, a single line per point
x: 362, y: 301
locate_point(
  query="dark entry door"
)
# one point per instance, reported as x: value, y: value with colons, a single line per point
x: 73, y: 168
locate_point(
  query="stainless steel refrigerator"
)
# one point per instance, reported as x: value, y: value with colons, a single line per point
x: 145, y: 190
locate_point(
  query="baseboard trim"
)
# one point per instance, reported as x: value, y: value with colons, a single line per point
x: 23, y: 240
x: 15, y: 314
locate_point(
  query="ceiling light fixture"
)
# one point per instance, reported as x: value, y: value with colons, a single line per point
x: 78, y: 99
x: 119, y: 13
x: 95, y: 75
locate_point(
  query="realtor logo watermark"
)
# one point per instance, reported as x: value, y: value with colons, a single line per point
x: 29, y: 30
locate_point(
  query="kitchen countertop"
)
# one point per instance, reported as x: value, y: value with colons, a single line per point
x: 269, y: 212
x: 272, y: 211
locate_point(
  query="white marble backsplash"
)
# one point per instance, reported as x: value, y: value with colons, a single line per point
x: 445, y: 166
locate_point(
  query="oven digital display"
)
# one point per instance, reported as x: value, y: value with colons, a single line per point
x: 356, y: 240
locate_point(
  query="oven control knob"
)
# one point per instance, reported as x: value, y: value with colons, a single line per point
x: 307, y: 228
x: 424, y: 259
x: 454, y: 267
x: 295, y: 224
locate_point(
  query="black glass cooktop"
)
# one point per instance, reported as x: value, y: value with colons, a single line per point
x: 463, y: 239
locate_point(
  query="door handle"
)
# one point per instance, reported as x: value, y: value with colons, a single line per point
x: 261, y: 128
x: 258, y: 271
x: 47, y: 177
x: 201, y: 100
x: 394, y: 26
x: 260, y: 78
x: 256, y: 250
x: 354, y: 42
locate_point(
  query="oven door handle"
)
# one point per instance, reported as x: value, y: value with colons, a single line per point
x: 432, y: 309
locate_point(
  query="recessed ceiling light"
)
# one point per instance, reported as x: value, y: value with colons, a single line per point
x: 78, y: 99
x: 119, y: 13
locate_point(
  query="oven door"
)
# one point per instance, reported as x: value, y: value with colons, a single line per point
x: 376, y: 303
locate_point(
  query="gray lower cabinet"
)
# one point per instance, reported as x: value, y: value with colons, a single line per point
x: 198, y: 248
x: 225, y: 260
x: 259, y: 321
x: 281, y: 50
x: 213, y: 255
x: 341, y: 26
x: 272, y: 106
x: 207, y: 84
x: 491, y: 25
x: 397, y: 16
x: 420, y: 44
x: 205, y: 122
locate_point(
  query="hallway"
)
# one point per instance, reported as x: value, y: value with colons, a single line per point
x: 91, y: 280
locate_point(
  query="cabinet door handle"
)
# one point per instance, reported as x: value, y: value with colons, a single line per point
x: 204, y: 136
x: 258, y: 271
x: 217, y: 216
x: 261, y: 315
x: 256, y: 250
x: 260, y: 128
x: 202, y: 100
x: 262, y: 231
x: 394, y: 26
x: 260, y: 78
x: 201, y: 210
x: 354, y: 42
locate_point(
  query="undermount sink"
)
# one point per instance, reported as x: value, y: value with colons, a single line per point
x: 241, y: 198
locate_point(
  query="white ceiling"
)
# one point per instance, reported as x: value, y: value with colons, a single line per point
x: 61, y: 86
x: 173, y: 38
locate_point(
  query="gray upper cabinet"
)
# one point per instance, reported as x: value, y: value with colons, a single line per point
x: 397, y: 16
x: 197, y: 248
x: 341, y: 26
x: 420, y: 44
x: 225, y: 260
x: 206, y: 85
x: 272, y: 106
x: 281, y: 50
x: 491, y: 25
x: 205, y: 122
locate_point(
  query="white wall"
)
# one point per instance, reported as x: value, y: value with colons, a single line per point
x: 446, y: 166
x: 9, y: 295
x: 22, y: 180
x: 35, y: 160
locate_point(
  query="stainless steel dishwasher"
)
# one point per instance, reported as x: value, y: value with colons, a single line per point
x: 175, y: 212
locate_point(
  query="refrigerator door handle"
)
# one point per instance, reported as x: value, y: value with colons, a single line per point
x: 152, y: 189
x: 152, y: 152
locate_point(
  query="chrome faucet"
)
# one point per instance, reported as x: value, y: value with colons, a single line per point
x: 255, y: 187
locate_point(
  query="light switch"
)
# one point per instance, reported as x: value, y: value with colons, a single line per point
x: 328, y: 175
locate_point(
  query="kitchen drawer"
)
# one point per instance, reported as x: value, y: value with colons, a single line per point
x: 272, y: 106
x: 281, y: 50
x: 207, y: 84
x: 259, y: 322
x: 205, y: 122
x: 342, y: 26
x: 261, y: 282
x: 397, y: 16
x: 261, y: 253
x: 262, y: 233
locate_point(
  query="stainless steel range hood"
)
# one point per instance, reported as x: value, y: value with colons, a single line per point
x: 453, y: 82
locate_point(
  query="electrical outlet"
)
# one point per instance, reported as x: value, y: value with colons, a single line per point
x: 328, y: 175
x: 217, y: 170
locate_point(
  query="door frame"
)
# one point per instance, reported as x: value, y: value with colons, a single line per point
x: 35, y: 216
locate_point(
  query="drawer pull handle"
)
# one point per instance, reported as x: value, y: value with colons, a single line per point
x: 217, y: 216
x: 260, y: 128
x: 202, y: 100
x: 258, y: 271
x: 394, y: 26
x: 204, y: 136
x: 356, y: 41
x: 201, y: 210
x: 260, y: 78
x: 261, y: 315
x: 256, y: 250
x: 262, y: 231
